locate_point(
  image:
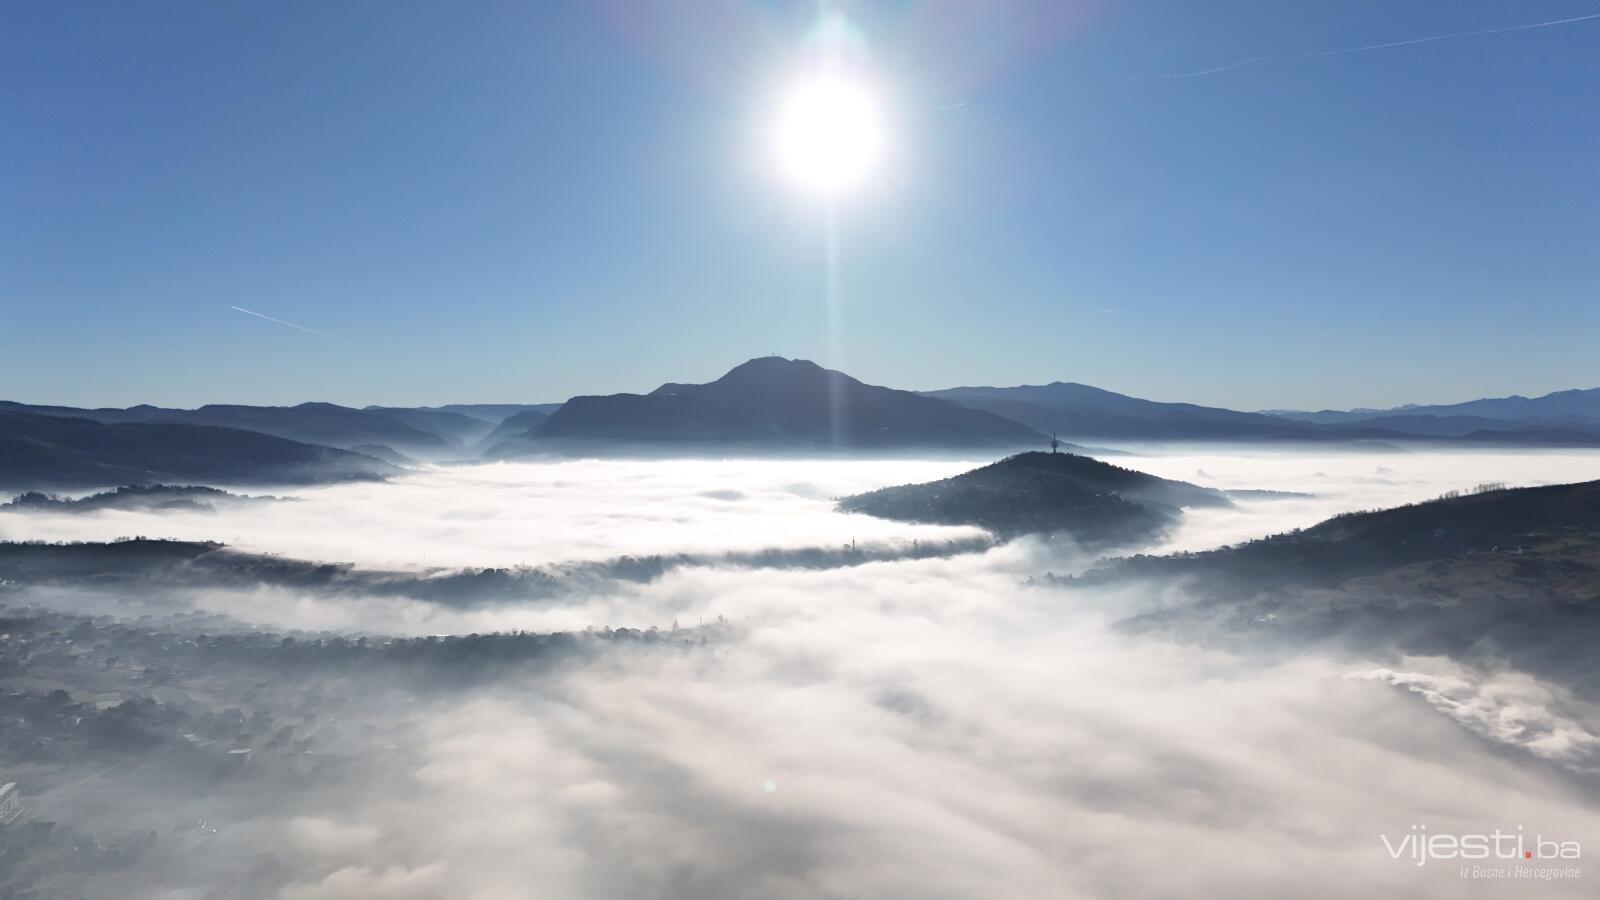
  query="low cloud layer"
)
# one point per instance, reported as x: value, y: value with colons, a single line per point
x: 933, y: 728
x: 509, y: 514
x: 937, y: 734
x: 1509, y: 707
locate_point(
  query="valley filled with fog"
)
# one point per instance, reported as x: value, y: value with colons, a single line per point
x: 538, y: 513
x: 631, y: 450
x: 791, y: 702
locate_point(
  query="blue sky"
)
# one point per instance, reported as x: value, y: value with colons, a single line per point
x: 511, y: 201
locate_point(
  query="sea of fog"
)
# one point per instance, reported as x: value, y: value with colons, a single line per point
x: 932, y: 728
x: 537, y: 513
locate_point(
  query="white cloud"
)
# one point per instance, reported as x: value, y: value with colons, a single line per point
x: 1509, y: 707
x: 328, y: 836
x: 510, y: 514
x: 360, y: 883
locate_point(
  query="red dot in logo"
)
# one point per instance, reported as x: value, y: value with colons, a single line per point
x: 1527, y: 854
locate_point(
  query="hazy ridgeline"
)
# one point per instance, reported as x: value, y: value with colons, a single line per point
x: 875, y: 720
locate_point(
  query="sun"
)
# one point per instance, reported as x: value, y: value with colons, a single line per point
x: 830, y: 134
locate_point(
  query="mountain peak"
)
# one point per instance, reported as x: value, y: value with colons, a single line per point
x: 766, y: 366
x: 776, y: 401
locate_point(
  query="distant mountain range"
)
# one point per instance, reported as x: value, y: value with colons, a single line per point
x: 43, y: 452
x: 309, y: 423
x: 1081, y: 412
x: 1577, y: 410
x: 773, y: 403
x: 769, y: 404
x: 493, y: 413
x: 472, y: 424
x: 1096, y: 503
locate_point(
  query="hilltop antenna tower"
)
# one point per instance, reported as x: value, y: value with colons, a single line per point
x: 1055, y: 443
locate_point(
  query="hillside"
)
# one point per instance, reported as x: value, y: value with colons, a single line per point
x: 1094, y: 502
x: 144, y: 498
x: 1080, y: 411
x: 310, y: 423
x: 493, y: 413
x: 517, y: 429
x: 456, y: 427
x: 43, y: 452
x: 1492, y: 577
x: 1363, y: 543
x: 774, y: 402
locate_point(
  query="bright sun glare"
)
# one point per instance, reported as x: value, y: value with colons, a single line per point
x: 830, y: 135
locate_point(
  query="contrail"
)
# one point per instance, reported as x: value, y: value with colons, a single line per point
x: 1364, y: 48
x: 251, y: 312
